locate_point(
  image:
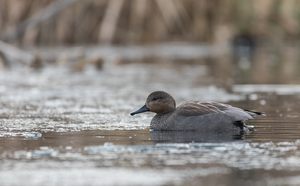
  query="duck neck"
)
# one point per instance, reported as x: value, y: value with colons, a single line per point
x: 159, y: 121
x: 167, y: 111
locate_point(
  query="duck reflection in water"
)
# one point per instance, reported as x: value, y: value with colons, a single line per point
x: 192, y: 136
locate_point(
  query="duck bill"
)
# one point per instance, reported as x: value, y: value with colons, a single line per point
x: 141, y: 110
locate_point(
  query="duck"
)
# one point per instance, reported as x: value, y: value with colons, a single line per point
x: 195, y: 115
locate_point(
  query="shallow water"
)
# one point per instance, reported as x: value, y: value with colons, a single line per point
x: 64, y: 128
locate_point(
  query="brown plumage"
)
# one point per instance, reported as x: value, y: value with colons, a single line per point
x: 196, y: 108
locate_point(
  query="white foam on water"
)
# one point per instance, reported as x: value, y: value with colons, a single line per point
x: 56, y: 99
x: 79, y: 174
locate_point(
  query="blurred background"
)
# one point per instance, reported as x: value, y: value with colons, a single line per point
x: 240, y: 41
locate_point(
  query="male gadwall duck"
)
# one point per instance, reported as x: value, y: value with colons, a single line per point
x: 194, y: 115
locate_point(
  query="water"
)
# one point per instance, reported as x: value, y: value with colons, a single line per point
x: 64, y: 128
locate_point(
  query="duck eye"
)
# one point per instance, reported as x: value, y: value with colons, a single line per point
x: 155, y: 98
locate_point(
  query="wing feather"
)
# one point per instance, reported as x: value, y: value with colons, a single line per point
x: 196, y: 108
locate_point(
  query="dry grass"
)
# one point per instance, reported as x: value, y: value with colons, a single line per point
x: 147, y: 21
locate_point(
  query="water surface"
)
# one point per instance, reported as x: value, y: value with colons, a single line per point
x: 64, y: 128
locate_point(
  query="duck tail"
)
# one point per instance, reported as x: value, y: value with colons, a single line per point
x: 254, y: 113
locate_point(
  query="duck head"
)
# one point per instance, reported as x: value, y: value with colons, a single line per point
x: 158, y: 102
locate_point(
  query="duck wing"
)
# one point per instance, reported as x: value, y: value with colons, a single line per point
x: 196, y: 108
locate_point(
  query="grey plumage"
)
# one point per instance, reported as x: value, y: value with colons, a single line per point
x: 195, y: 115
